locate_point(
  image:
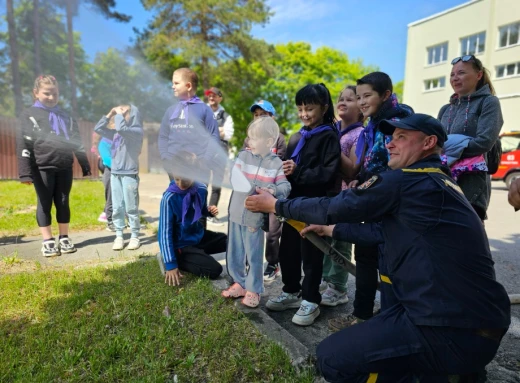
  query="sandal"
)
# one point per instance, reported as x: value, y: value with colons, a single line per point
x: 235, y: 291
x: 339, y: 323
x: 251, y: 299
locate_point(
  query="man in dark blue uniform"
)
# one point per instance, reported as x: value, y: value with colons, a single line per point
x: 451, y: 313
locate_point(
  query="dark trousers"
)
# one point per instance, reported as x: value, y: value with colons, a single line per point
x: 293, y: 250
x: 398, y: 351
x: 272, y: 240
x: 52, y: 186
x: 197, y: 259
x: 218, y: 175
x: 366, y: 280
x: 108, y: 193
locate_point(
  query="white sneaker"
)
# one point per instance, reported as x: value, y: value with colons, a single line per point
x: 49, y: 248
x: 333, y: 297
x: 307, y: 313
x: 323, y: 285
x: 133, y: 244
x: 66, y: 246
x: 284, y: 301
x: 119, y: 244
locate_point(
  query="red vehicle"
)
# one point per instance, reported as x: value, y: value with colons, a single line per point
x: 509, y: 168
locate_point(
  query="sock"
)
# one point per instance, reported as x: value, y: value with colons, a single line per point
x: 48, y: 239
x: 63, y: 236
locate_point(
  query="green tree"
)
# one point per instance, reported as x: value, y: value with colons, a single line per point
x: 291, y: 66
x: 116, y: 78
x: 71, y: 10
x: 201, y: 33
x: 53, y: 52
x: 398, y: 90
x: 13, y: 52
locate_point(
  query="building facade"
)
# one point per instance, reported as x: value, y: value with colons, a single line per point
x: 489, y: 29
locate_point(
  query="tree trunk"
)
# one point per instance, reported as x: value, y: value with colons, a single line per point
x: 72, y: 69
x: 37, y: 38
x: 204, y: 59
x: 13, y: 50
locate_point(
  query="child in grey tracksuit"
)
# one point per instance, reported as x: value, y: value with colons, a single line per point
x: 263, y: 169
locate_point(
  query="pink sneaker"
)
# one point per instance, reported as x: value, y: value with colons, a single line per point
x: 102, y: 217
x: 251, y: 299
x: 235, y: 291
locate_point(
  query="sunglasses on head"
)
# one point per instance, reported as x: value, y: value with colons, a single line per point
x: 463, y: 59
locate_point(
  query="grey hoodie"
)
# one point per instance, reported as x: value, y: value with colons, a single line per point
x: 483, y: 129
x: 125, y: 156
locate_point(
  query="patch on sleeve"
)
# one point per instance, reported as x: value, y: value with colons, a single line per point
x: 453, y: 186
x: 367, y: 184
x: 26, y: 153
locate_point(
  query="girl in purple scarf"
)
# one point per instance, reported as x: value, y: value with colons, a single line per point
x: 47, y: 141
x: 313, y: 159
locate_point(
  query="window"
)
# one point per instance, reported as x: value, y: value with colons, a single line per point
x: 509, y: 143
x: 437, y: 54
x: 508, y: 70
x: 435, y: 83
x: 508, y: 35
x: 473, y: 45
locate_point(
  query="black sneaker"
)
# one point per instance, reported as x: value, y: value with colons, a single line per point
x: 111, y: 227
x: 66, y: 246
x: 214, y: 221
x: 49, y: 248
x: 271, y: 272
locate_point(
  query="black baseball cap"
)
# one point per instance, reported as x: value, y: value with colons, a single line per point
x: 418, y: 121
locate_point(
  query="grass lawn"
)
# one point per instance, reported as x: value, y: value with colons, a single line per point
x: 18, y: 207
x: 110, y: 324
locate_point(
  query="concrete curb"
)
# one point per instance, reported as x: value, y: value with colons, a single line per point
x: 298, y: 353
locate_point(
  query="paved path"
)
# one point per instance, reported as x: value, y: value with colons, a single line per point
x: 503, y: 228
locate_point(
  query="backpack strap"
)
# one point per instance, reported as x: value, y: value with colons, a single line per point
x: 36, y: 127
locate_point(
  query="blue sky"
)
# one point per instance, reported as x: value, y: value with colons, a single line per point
x: 372, y: 30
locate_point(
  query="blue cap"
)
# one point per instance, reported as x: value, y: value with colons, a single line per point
x: 421, y: 122
x: 265, y: 105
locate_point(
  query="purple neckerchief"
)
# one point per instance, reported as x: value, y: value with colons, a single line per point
x: 349, y: 128
x: 191, y: 197
x: 368, y: 135
x: 55, y: 118
x: 183, y: 105
x: 306, y: 134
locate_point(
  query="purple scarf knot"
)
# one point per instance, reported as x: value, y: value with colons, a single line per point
x: 56, y: 118
x: 182, y: 105
x: 191, y: 198
x: 307, y: 134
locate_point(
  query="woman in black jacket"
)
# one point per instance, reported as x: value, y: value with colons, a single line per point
x: 46, y: 141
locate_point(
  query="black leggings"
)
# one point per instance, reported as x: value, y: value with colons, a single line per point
x: 366, y: 280
x: 52, y: 185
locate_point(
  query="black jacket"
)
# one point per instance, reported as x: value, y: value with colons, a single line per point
x: 436, y: 249
x: 42, y: 147
x: 320, y: 158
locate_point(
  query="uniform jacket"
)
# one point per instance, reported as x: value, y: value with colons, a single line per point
x: 436, y: 249
x: 125, y: 158
x: 40, y: 146
x: 261, y: 172
x: 225, y: 121
x: 320, y: 159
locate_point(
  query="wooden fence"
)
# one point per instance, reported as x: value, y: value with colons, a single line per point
x: 148, y: 161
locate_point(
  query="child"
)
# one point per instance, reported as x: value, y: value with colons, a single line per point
x: 377, y: 102
x: 127, y: 141
x: 349, y: 126
x: 184, y: 243
x: 101, y: 146
x: 46, y: 142
x: 259, y: 109
x: 263, y: 169
x: 188, y: 125
x: 313, y: 159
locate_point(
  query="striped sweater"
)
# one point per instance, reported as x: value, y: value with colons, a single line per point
x: 261, y: 172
